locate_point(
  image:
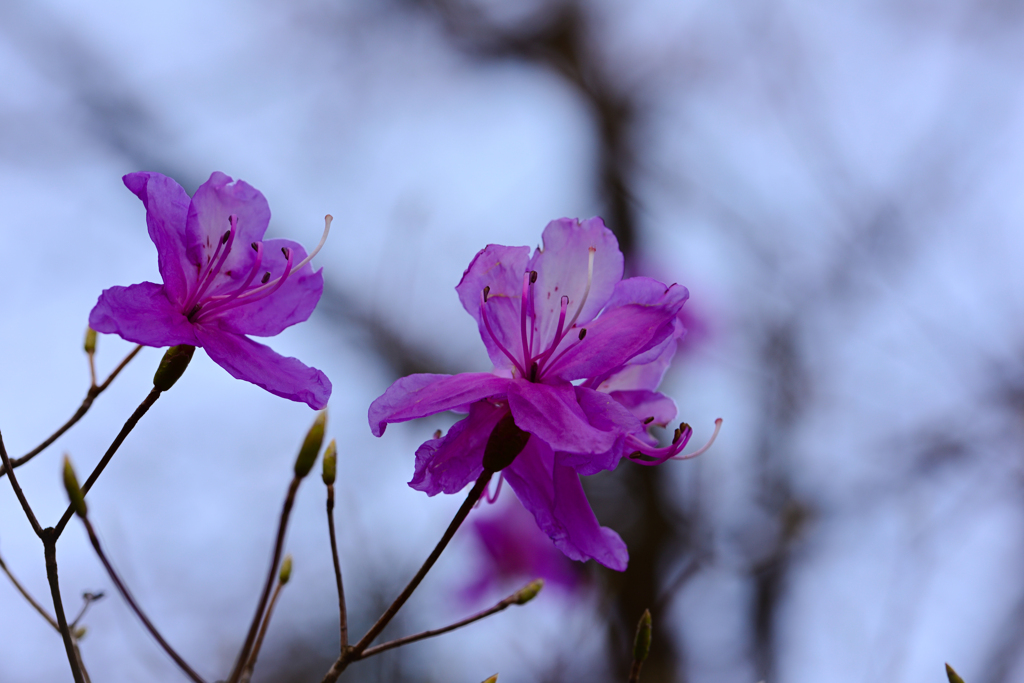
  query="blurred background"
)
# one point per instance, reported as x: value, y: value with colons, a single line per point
x: 837, y: 184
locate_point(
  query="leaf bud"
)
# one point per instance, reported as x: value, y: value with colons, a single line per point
x: 492, y: 679
x: 90, y: 340
x: 311, y: 446
x: 528, y: 592
x: 286, y: 570
x: 504, y: 444
x: 79, y: 633
x: 75, y: 494
x: 330, y: 462
x: 172, y: 366
x: 952, y: 675
x: 642, y: 643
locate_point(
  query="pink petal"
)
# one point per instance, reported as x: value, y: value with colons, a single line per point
x: 647, y: 404
x: 166, y: 205
x: 142, y: 314
x: 280, y: 375
x: 501, y: 269
x: 562, y: 271
x: 641, y: 372
x: 554, y: 495
x: 425, y: 394
x: 447, y: 464
x: 606, y: 414
x: 553, y: 413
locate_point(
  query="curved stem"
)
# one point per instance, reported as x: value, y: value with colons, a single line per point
x: 50, y: 553
x: 342, y: 611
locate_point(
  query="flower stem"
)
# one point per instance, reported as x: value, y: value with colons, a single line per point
x: 18, y: 492
x: 250, y: 638
x: 90, y: 396
x: 126, y: 594
x: 146, y: 404
x: 342, y: 612
x: 353, y: 653
x: 49, y: 537
x: 247, y: 672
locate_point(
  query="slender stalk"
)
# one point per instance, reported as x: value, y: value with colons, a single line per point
x: 247, y: 672
x: 250, y: 638
x: 49, y: 538
x: 90, y: 396
x: 510, y: 600
x: 25, y: 594
x: 343, y: 613
x: 353, y: 653
x: 126, y: 594
x: 146, y: 404
x: 19, y: 493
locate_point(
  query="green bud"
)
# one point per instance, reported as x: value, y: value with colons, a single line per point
x: 75, y: 494
x: 330, y: 462
x: 79, y: 633
x: 504, y: 444
x: 492, y: 679
x: 90, y: 340
x: 311, y: 446
x: 172, y: 366
x: 952, y: 675
x: 528, y: 592
x: 642, y: 643
x: 286, y: 570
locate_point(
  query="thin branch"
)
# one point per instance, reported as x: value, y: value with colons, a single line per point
x: 25, y: 594
x: 90, y: 396
x: 49, y: 538
x: 125, y: 430
x: 126, y: 594
x: 510, y: 600
x: 343, y: 614
x: 18, y: 492
x: 247, y: 672
x: 353, y: 653
x: 250, y: 638
x: 88, y: 599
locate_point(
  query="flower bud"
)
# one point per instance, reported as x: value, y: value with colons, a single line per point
x: 528, y: 592
x: 952, y: 675
x: 75, y: 494
x: 286, y: 570
x: 492, y: 679
x: 330, y: 462
x: 504, y: 444
x: 311, y: 446
x: 642, y: 643
x: 172, y: 366
x: 90, y: 340
x: 79, y: 633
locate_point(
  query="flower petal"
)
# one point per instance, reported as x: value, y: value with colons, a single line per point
x: 554, y: 495
x: 425, y: 394
x: 280, y: 375
x: 647, y: 404
x: 641, y: 373
x: 166, y: 205
x: 292, y: 303
x: 604, y: 413
x: 207, y: 221
x: 553, y: 413
x: 142, y: 314
x: 447, y: 464
x: 500, y: 269
x: 562, y: 271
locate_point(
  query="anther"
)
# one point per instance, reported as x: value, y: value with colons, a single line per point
x: 225, y: 236
x: 583, y: 333
x: 533, y: 276
x: 255, y: 247
x: 284, y: 250
x: 533, y: 371
x: 266, y: 277
x: 437, y: 434
x: 649, y: 420
x: 487, y: 290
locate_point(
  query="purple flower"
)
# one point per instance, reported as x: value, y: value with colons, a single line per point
x: 578, y: 354
x: 221, y: 283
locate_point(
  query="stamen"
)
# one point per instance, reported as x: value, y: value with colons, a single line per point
x: 265, y: 291
x: 214, y: 271
x: 225, y: 236
x: 327, y: 229
x: 266, y: 278
x: 649, y: 420
x: 583, y: 333
x: 528, y: 280
x: 487, y: 290
x: 558, y: 331
x: 487, y: 324
x: 437, y: 434
x: 644, y: 454
x: 219, y: 301
x: 586, y: 292
x: 533, y: 276
x: 705, y: 447
x: 497, y: 489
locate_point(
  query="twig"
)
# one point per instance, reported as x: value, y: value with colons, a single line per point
x: 25, y: 594
x: 90, y: 396
x: 516, y: 598
x: 281, y: 581
x: 353, y: 653
x: 88, y: 599
x: 49, y: 538
x: 343, y: 614
x: 19, y: 493
x: 146, y: 404
x: 126, y: 594
x: 250, y: 638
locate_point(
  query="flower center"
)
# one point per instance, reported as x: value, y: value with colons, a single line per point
x: 200, y: 305
x: 532, y: 366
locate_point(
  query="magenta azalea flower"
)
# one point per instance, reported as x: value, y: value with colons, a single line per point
x: 578, y: 353
x: 221, y: 283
